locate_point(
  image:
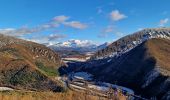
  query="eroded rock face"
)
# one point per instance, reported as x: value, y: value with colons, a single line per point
x: 45, y: 52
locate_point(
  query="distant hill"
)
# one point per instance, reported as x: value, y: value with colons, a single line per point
x: 27, y: 65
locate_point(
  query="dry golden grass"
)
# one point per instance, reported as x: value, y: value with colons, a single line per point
x: 44, y: 96
x: 69, y: 95
x: 18, y: 67
x: 160, y: 48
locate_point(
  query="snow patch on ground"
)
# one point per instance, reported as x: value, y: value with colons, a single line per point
x: 117, y: 87
x: 78, y: 87
x: 74, y: 59
x: 152, y: 75
x: 83, y: 76
x: 109, y: 60
x: 6, y: 89
x: 97, y: 87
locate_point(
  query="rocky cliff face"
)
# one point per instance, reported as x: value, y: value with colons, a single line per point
x: 42, y: 51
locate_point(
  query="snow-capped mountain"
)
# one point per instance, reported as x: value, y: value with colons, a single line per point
x: 75, y: 44
x: 127, y: 43
x: 80, y: 46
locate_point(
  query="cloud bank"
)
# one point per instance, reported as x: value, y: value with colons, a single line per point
x: 54, y: 23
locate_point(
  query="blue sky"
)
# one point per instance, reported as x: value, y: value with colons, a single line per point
x: 96, y: 20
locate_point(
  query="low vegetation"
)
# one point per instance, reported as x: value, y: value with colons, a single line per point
x: 50, y: 71
x: 69, y: 95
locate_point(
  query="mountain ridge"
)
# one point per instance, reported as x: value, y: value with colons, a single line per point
x: 127, y: 43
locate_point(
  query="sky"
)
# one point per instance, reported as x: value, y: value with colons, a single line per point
x: 52, y: 21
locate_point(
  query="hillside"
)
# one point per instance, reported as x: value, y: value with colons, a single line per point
x: 128, y: 42
x: 27, y: 65
x: 145, y: 69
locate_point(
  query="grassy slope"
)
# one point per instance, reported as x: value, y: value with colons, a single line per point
x: 160, y: 50
x: 19, y: 69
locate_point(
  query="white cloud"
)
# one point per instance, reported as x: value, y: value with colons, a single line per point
x: 6, y: 30
x: 64, y: 21
x: 115, y: 15
x: 25, y: 30
x: 16, y: 32
x: 48, y: 25
x: 163, y: 21
x: 56, y: 22
x: 46, y: 38
x: 61, y: 18
x: 53, y: 37
x: 75, y: 24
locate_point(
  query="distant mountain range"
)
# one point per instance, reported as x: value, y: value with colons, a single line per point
x: 75, y: 43
x: 76, y: 46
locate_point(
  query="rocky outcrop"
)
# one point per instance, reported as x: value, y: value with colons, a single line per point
x: 45, y: 52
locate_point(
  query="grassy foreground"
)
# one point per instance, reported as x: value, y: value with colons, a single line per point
x: 69, y: 95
